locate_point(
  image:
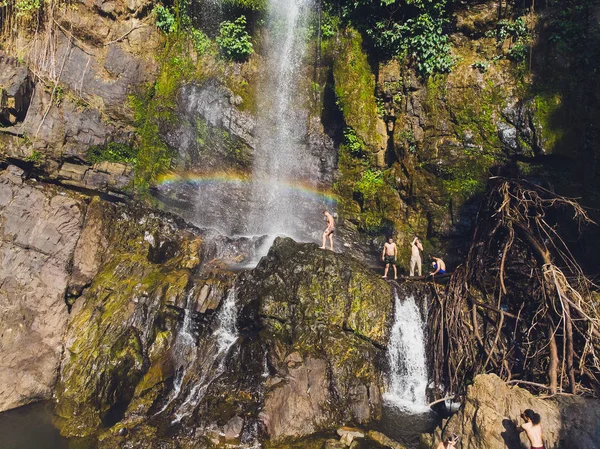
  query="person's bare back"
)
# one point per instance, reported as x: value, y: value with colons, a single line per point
x: 532, y: 425
x: 534, y: 433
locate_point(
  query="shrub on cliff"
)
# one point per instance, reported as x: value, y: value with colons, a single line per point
x: 233, y: 40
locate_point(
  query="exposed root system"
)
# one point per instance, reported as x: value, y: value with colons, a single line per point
x: 521, y: 305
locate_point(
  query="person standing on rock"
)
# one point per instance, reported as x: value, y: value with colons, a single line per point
x: 329, y: 231
x: 390, y: 251
x: 438, y: 265
x: 532, y: 425
x: 415, y: 258
x: 449, y: 442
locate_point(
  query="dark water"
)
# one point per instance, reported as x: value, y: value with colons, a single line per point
x: 31, y: 427
x: 404, y: 427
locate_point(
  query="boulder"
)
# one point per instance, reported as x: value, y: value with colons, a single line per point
x: 491, y: 405
x: 383, y: 440
x: 325, y: 322
x: 348, y: 434
x: 39, y: 229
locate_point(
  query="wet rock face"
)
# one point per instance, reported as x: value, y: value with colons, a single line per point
x: 324, y: 319
x: 39, y: 229
x: 491, y: 405
x: 122, y: 325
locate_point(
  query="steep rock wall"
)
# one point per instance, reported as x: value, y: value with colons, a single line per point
x: 39, y: 230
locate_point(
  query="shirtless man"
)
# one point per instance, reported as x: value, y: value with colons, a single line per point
x: 415, y: 258
x: 438, y: 265
x: 533, y: 427
x: 449, y: 442
x: 390, y: 251
x: 329, y: 231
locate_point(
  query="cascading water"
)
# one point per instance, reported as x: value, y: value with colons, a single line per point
x: 200, y: 366
x: 406, y: 356
x: 283, y: 157
x: 211, y: 355
x: 184, y: 350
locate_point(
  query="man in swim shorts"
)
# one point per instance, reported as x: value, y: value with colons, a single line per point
x: 329, y: 231
x: 390, y: 251
x: 438, y: 265
x: 532, y: 425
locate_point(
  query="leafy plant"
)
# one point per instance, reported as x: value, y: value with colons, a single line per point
x: 482, y: 66
x: 165, y: 19
x: 35, y: 157
x: 255, y: 5
x: 112, y: 152
x: 200, y: 40
x: 370, y: 183
x: 515, y: 30
x: 233, y: 40
x: 27, y: 7
x: 415, y: 30
x: 353, y: 142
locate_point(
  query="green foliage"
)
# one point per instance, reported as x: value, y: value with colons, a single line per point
x: 35, y: 157
x: 200, y: 40
x: 254, y: 5
x: 165, y: 19
x: 112, y: 152
x: 330, y: 25
x: 233, y: 40
x: 482, y: 66
x: 370, y: 183
x: 353, y: 143
x: 520, y: 37
x: 395, y: 28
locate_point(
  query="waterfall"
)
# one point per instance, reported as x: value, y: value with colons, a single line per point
x: 199, y: 366
x: 406, y: 356
x: 184, y: 350
x: 211, y: 355
x: 283, y: 159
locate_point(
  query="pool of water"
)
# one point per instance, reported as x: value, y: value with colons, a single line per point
x: 31, y: 427
x: 406, y: 426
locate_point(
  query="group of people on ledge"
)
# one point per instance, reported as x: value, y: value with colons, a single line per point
x: 390, y: 252
x: 532, y: 426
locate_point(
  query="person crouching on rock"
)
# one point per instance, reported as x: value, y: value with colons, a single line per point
x: 329, y: 231
x: 438, y: 265
x: 449, y: 442
x: 390, y: 251
x: 532, y: 425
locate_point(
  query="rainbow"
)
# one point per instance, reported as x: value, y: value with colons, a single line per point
x: 236, y: 179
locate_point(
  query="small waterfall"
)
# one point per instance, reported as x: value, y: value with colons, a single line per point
x: 184, y: 350
x: 406, y: 356
x: 211, y: 355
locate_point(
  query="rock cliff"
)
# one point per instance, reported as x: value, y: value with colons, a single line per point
x: 39, y: 230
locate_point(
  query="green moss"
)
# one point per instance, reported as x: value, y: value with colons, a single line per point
x: 355, y: 87
x: 156, y: 109
x: 548, y: 106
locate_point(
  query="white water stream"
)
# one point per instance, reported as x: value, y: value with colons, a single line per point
x: 407, y: 383
x: 211, y: 356
x: 283, y: 159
